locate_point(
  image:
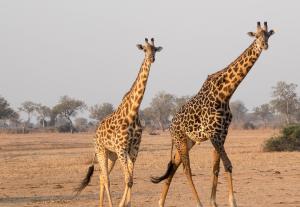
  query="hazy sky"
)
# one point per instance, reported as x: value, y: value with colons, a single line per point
x: 87, y: 49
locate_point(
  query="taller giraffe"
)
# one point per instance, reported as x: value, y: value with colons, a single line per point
x: 119, y: 134
x: 207, y: 116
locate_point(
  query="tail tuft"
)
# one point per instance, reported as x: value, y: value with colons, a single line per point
x: 85, y: 181
x: 163, y: 177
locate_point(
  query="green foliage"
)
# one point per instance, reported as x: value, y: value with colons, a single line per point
x: 288, y: 140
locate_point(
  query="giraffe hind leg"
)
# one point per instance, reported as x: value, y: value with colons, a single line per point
x: 104, y: 178
x: 112, y: 157
x: 172, y: 168
x: 184, y: 155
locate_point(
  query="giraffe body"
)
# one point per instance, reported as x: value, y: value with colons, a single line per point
x: 119, y: 134
x: 207, y: 116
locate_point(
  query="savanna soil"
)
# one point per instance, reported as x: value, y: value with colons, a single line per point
x: 43, y: 169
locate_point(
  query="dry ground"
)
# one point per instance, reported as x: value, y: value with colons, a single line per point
x: 42, y: 170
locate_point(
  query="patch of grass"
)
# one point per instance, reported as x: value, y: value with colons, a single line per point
x: 288, y: 140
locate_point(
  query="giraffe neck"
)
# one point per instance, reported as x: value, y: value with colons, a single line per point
x: 233, y: 74
x: 133, y: 98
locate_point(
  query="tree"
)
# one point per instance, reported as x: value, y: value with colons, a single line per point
x: 28, y: 107
x: 147, y: 116
x: 264, y: 112
x: 68, y: 108
x: 238, y: 110
x: 162, y: 105
x: 100, y: 111
x: 81, y: 124
x: 285, y: 99
x: 180, y: 101
x: 6, y: 111
x: 14, y: 120
x: 43, y: 113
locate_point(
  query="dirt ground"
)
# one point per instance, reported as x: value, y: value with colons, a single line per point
x: 43, y: 169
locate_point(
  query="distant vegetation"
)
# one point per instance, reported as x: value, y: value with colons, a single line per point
x: 282, y: 110
x: 288, y: 140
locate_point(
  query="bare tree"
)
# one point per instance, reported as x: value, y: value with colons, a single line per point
x: 285, y: 99
x: 148, y: 118
x: 100, y: 111
x: 238, y: 110
x: 29, y: 108
x: 264, y: 112
x: 163, y: 105
x: 179, y: 102
x: 43, y: 112
x: 67, y: 108
x: 81, y: 124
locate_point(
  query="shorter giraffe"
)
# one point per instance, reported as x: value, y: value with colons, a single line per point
x: 207, y: 116
x: 119, y: 134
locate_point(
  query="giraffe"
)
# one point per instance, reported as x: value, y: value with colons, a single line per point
x: 207, y: 116
x: 118, y: 136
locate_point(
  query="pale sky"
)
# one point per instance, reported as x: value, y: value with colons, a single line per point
x: 87, y: 49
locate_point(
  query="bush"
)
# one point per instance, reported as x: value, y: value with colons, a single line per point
x: 249, y: 125
x: 288, y: 140
x: 64, y: 128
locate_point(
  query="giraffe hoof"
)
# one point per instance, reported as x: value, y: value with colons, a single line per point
x: 213, y: 204
x: 160, y: 203
x: 233, y: 203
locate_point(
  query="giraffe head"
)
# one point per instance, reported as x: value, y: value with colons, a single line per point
x: 149, y: 49
x: 262, y: 35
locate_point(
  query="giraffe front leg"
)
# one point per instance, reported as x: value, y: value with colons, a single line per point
x: 101, y: 193
x: 126, y: 165
x: 231, y: 198
x: 216, y: 169
x: 130, y: 183
x: 228, y: 169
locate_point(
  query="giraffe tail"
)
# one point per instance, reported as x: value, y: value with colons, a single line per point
x: 168, y: 171
x: 87, y: 178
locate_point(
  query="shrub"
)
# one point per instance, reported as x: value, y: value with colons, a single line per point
x: 249, y: 125
x: 64, y: 128
x: 288, y: 140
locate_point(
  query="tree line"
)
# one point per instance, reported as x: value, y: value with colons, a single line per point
x: 283, y: 109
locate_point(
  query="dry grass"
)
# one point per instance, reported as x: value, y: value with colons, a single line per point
x: 43, y: 169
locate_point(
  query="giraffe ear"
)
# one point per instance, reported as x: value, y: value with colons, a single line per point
x: 139, y: 46
x: 158, y: 49
x: 251, y: 34
x: 271, y: 32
